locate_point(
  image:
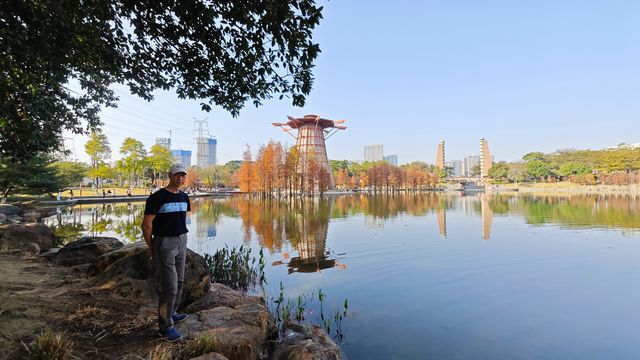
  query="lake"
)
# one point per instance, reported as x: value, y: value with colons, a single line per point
x: 434, y: 276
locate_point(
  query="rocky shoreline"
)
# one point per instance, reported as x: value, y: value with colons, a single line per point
x: 104, y: 279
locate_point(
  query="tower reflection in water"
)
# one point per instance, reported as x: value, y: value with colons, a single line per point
x: 471, y: 204
x: 487, y: 216
x: 307, y: 232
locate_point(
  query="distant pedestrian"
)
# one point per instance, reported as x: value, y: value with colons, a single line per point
x: 71, y: 193
x: 129, y: 192
x: 165, y: 232
x: 103, y: 193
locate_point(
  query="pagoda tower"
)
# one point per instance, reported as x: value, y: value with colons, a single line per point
x: 312, y: 131
x: 485, y: 159
x: 440, y: 155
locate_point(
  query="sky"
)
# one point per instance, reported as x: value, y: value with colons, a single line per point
x: 525, y: 75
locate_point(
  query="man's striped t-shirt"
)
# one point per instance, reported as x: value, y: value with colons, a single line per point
x: 170, y: 212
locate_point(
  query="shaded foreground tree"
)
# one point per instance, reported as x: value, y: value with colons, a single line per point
x: 35, y: 176
x: 224, y: 52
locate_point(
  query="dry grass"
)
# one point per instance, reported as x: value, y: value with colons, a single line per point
x: 103, y: 323
x: 162, y: 352
x: 87, y: 313
x: 108, y: 285
x: 132, y: 324
x: 51, y: 346
x: 201, y: 345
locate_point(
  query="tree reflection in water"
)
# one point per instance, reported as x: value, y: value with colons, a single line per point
x: 304, y: 223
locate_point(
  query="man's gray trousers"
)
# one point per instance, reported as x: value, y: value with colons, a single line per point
x: 170, y: 253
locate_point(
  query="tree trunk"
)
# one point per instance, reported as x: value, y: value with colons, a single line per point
x: 6, y: 193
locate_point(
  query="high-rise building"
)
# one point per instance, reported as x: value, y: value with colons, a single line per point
x: 182, y: 157
x: 456, y: 168
x: 373, y: 153
x: 206, y: 146
x: 391, y: 159
x: 206, y: 151
x: 469, y: 162
x: 166, y: 142
x: 440, y: 155
x: 486, y: 160
x: 212, y: 158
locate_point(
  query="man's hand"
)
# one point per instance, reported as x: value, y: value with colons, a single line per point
x: 147, y: 233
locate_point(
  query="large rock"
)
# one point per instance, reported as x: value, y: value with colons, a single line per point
x: 131, y: 262
x: 8, y: 209
x: 237, y: 332
x: 307, y: 342
x: 86, y: 250
x: 221, y: 295
x: 11, y: 219
x: 14, y: 236
x: 32, y: 215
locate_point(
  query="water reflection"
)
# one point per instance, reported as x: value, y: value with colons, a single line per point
x: 442, y: 223
x: 304, y: 225
x: 487, y: 216
x: 118, y: 220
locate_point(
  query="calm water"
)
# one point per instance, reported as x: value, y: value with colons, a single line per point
x: 437, y: 276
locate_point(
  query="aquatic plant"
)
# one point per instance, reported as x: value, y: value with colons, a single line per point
x: 285, y: 312
x: 236, y: 267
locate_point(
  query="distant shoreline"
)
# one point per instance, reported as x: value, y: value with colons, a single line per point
x: 564, y: 187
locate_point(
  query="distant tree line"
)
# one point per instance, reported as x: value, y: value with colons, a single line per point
x: 277, y: 170
x: 383, y: 176
x: 619, y: 166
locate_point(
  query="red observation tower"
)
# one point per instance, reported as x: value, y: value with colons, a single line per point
x: 310, y: 141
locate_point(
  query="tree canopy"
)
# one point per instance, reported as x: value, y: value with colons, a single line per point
x: 35, y: 176
x: 224, y: 53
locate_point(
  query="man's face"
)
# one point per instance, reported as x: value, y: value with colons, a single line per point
x: 177, y: 179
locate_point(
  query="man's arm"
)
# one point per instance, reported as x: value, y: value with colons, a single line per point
x: 147, y: 231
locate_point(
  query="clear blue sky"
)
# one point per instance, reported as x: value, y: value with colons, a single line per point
x: 525, y: 75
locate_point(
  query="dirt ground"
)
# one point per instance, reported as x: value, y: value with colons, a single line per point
x: 102, y: 322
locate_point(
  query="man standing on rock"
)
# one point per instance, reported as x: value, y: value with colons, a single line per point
x: 165, y: 231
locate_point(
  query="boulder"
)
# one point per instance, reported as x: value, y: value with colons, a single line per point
x: 238, y: 333
x: 86, y: 250
x: 30, y: 249
x: 135, y: 263
x: 10, y: 219
x: 221, y: 295
x: 131, y: 262
x: 32, y: 215
x: 8, y: 209
x: 307, y: 342
x: 15, y: 235
x: 50, y: 253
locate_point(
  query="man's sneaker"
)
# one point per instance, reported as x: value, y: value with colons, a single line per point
x: 170, y: 334
x: 179, y: 318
